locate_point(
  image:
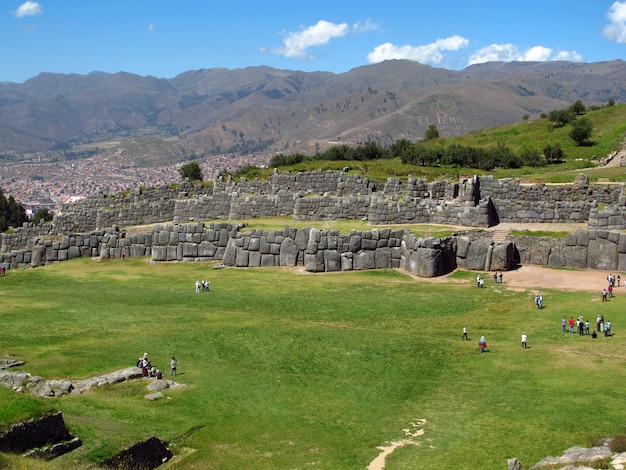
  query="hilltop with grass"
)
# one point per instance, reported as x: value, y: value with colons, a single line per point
x: 519, y: 139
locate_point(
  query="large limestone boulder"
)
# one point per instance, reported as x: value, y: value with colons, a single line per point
x: 602, y: 254
x: 503, y: 257
x: 288, y: 252
x: 476, y: 254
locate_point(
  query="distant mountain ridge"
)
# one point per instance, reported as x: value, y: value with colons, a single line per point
x: 266, y: 110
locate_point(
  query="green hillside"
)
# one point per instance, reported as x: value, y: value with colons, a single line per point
x: 609, y: 131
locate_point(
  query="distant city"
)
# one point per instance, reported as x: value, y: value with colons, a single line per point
x: 42, y: 184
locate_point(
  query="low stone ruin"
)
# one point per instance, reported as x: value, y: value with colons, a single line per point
x: 45, y: 438
x: 142, y: 456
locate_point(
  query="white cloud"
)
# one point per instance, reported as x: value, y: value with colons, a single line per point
x: 365, y: 27
x: 151, y: 27
x: 296, y: 44
x: 510, y: 53
x: 616, y: 29
x: 28, y: 9
x: 429, y: 53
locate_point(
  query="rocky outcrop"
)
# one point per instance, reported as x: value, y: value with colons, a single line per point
x: 24, y: 382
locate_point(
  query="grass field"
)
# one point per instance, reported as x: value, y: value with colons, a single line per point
x: 287, y: 370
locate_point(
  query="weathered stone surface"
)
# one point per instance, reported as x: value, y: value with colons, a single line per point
x: 288, y: 252
x: 539, y: 253
x: 476, y: 254
x: 314, y: 262
x: 503, y: 257
x: 332, y: 260
x: 574, y: 257
x: 575, y: 455
x: 514, y: 464
x: 602, y: 254
x: 364, y: 260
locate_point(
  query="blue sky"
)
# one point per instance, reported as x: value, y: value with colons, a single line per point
x: 164, y: 38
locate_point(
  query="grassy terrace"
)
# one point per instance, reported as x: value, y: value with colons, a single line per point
x: 291, y: 370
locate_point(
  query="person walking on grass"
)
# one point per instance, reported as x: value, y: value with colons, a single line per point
x: 173, y: 366
x: 524, y: 339
x: 464, y: 336
x: 482, y: 344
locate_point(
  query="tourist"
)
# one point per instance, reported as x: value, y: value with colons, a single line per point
x: 581, y: 326
x: 500, y: 277
x: 479, y: 281
x: 197, y: 287
x: 594, y: 335
x: 587, y: 327
x: 607, y: 328
x: 495, y: 277
x: 524, y: 339
x: 604, y: 293
x: 464, y: 336
x: 482, y: 344
x: 618, y: 280
x: 610, y: 289
x: 173, y: 365
x: 563, y: 324
x: 571, y: 325
x: 159, y: 374
x: 540, y: 302
x: 598, y: 323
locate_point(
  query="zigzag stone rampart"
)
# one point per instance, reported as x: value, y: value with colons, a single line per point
x: 94, y: 226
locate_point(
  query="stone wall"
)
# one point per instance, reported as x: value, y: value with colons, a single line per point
x: 94, y: 227
x: 585, y: 249
x: 474, y: 202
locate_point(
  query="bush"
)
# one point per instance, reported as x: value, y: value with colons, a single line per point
x: 618, y: 443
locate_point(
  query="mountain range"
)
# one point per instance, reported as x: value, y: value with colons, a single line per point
x: 266, y: 110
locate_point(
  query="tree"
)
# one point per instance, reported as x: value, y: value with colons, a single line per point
x: 553, y: 153
x: 11, y: 213
x: 431, y: 133
x: 578, y: 108
x: 560, y: 117
x: 581, y: 131
x: 43, y: 213
x: 192, y: 171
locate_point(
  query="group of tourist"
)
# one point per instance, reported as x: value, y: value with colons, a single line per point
x: 497, y: 278
x: 607, y: 292
x: 202, y: 286
x: 149, y: 371
x: 603, y: 326
x: 583, y: 327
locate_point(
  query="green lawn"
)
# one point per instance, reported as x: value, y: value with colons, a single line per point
x: 289, y: 370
